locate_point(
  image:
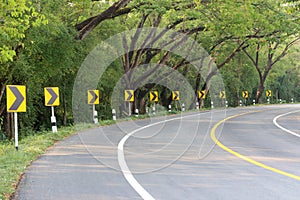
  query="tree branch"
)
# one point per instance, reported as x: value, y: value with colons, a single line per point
x: 113, y: 11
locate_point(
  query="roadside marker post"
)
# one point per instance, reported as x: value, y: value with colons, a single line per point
x: 16, y: 102
x: 52, y: 99
x: 170, y: 108
x: 129, y: 97
x: 197, y: 105
x: 153, y: 109
x: 114, y: 114
x: 93, y: 99
x: 241, y: 103
x: 183, y: 107
x: 254, y: 102
x: 226, y: 104
x: 212, y: 104
x: 136, y: 112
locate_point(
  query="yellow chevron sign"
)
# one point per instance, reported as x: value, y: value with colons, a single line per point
x: 51, y: 96
x: 16, y: 98
x: 201, y: 94
x: 269, y: 93
x: 245, y: 94
x: 93, y: 97
x: 154, y: 96
x: 129, y: 95
x: 222, y: 95
x: 175, y: 95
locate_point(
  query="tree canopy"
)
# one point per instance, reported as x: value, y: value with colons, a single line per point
x: 43, y: 43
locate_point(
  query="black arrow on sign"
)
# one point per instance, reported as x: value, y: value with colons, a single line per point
x: 153, y: 96
x: 268, y: 93
x: 129, y: 95
x: 176, y: 95
x: 202, y: 93
x: 53, y: 94
x: 19, y: 98
x: 222, y: 94
x: 95, y: 97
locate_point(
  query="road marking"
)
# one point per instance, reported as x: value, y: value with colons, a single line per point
x: 281, y: 127
x: 122, y: 162
x: 259, y: 164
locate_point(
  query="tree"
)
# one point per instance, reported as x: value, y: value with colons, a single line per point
x: 16, y: 18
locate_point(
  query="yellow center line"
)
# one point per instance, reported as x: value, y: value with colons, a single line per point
x: 259, y: 164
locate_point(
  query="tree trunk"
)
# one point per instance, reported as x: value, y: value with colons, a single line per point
x: 8, y: 125
x: 65, y: 110
x: 260, y: 91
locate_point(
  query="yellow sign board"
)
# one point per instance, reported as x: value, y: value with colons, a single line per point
x: 245, y: 94
x: 202, y: 94
x: 93, y: 97
x: 175, y: 95
x: 154, y: 96
x: 16, y: 98
x: 129, y: 95
x: 51, y: 96
x: 222, y: 95
x: 269, y: 93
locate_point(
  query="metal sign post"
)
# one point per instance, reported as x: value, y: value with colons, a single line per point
x: 53, y: 120
x: 129, y: 97
x: 95, y: 115
x: 52, y: 99
x: 93, y: 99
x: 129, y: 109
x: 153, y: 109
x: 16, y: 130
x: 16, y: 102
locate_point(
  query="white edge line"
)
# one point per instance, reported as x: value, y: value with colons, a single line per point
x: 281, y: 127
x: 124, y: 168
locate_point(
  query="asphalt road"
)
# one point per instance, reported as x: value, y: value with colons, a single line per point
x: 176, y: 158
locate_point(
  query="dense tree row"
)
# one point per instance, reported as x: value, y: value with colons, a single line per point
x: 254, y: 44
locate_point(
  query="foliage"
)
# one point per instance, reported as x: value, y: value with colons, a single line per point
x: 41, y: 48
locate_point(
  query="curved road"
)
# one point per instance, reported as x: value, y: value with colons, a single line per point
x: 176, y: 158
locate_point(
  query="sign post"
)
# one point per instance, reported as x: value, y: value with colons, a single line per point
x: 16, y: 130
x: 93, y: 99
x: 176, y: 97
x: 245, y: 95
x: 16, y: 102
x: 153, y: 96
x: 52, y: 99
x: 129, y: 97
x: 202, y: 96
x: 268, y: 94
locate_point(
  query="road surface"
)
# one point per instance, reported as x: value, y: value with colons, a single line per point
x: 176, y: 157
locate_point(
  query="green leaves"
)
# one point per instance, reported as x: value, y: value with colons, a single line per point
x: 17, y: 17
